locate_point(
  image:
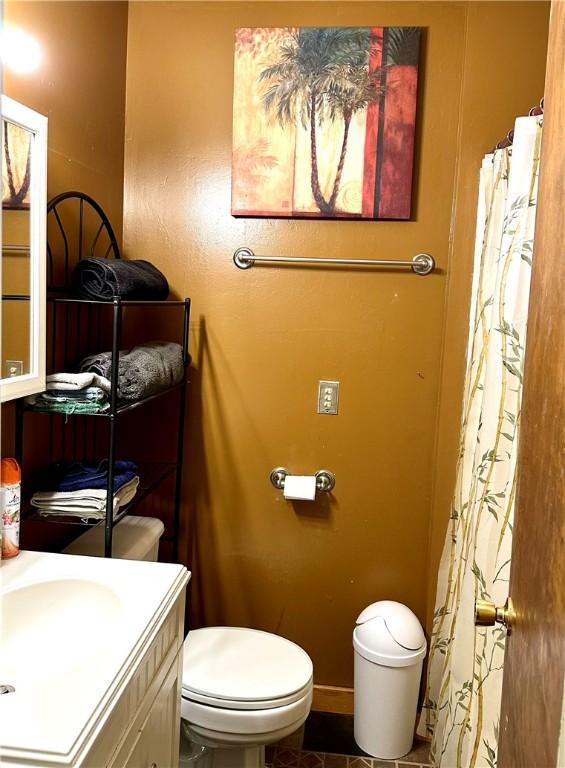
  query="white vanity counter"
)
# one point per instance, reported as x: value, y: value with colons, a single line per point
x: 82, y: 640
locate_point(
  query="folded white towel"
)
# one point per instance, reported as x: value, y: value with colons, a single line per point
x: 77, y: 381
x: 72, y: 382
x: 87, y: 504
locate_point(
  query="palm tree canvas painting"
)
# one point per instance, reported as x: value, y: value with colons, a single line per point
x: 16, y: 157
x: 323, y: 121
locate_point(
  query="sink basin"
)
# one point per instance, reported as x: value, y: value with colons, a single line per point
x: 50, y: 628
x: 72, y: 629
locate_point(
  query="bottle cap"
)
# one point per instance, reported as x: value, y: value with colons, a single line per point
x: 10, y: 471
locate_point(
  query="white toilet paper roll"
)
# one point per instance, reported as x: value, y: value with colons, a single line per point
x: 300, y: 487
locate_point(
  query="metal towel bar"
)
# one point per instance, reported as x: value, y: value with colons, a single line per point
x: 421, y: 264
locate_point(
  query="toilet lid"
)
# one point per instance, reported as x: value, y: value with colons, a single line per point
x: 239, y: 666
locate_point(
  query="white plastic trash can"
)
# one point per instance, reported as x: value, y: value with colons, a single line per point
x: 390, y: 646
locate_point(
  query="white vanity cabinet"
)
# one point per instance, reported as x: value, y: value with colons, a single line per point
x: 91, y: 649
x: 142, y: 729
x: 157, y: 745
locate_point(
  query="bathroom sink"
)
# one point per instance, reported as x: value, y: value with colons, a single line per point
x: 49, y: 628
x: 72, y: 630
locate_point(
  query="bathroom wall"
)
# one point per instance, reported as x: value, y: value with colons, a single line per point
x: 262, y: 339
x: 80, y: 86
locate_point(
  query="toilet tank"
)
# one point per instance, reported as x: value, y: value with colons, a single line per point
x: 134, y: 538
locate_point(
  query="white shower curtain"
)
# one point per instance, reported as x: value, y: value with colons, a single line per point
x: 462, y: 705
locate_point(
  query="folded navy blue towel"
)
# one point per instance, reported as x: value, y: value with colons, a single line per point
x: 74, y: 476
x: 101, y: 279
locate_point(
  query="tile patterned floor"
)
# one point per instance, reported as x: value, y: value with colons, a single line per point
x: 284, y: 757
x: 326, y: 741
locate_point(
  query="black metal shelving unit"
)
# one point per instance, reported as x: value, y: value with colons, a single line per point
x: 78, y: 327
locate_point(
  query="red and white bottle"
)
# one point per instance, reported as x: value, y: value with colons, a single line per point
x: 10, y: 497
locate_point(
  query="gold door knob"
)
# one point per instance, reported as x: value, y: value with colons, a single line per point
x: 487, y: 614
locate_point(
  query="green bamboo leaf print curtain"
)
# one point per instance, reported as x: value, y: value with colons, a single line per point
x: 462, y: 703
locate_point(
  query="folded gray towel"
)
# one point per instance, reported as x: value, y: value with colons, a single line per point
x: 143, y: 371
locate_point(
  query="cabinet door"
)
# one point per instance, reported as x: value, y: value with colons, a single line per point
x: 158, y: 743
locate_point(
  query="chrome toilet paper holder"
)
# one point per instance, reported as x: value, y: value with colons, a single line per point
x: 325, y: 480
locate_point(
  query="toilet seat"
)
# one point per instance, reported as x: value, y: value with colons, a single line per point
x: 252, y: 723
x: 238, y: 704
x: 244, y: 669
x: 243, y: 689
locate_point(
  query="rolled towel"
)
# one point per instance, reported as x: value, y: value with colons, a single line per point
x: 143, y: 371
x: 102, y: 279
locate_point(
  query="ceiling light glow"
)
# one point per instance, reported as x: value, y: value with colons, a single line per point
x: 20, y: 51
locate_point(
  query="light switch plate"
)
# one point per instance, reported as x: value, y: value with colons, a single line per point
x: 13, y: 368
x: 328, y: 397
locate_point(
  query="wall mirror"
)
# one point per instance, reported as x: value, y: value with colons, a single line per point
x: 23, y: 239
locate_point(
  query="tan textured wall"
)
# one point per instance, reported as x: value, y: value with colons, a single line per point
x: 80, y: 86
x: 262, y: 339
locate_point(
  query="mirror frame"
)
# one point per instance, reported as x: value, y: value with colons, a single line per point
x: 34, y: 381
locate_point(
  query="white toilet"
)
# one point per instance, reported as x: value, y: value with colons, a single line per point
x: 241, y: 688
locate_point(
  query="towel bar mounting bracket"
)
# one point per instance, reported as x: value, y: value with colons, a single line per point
x: 325, y: 480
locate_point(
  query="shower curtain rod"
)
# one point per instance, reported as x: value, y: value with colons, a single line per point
x: 421, y: 264
x: 537, y: 109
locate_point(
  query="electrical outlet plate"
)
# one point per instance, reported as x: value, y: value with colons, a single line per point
x: 13, y: 368
x: 328, y: 397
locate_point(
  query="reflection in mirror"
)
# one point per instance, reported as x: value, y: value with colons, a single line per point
x: 16, y: 274
x: 22, y: 313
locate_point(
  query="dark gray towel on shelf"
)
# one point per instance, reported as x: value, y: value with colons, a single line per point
x: 143, y: 371
x: 101, y: 279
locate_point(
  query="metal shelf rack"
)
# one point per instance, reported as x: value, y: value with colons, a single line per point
x: 78, y: 327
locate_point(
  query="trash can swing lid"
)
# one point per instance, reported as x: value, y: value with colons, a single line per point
x: 389, y: 633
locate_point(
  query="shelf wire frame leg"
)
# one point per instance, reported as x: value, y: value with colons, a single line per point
x: 77, y: 326
x: 19, y: 445
x: 63, y: 422
x: 53, y: 337
x: 19, y: 436
x: 180, y: 434
x: 112, y: 437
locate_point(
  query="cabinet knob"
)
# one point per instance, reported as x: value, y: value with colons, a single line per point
x: 153, y: 765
